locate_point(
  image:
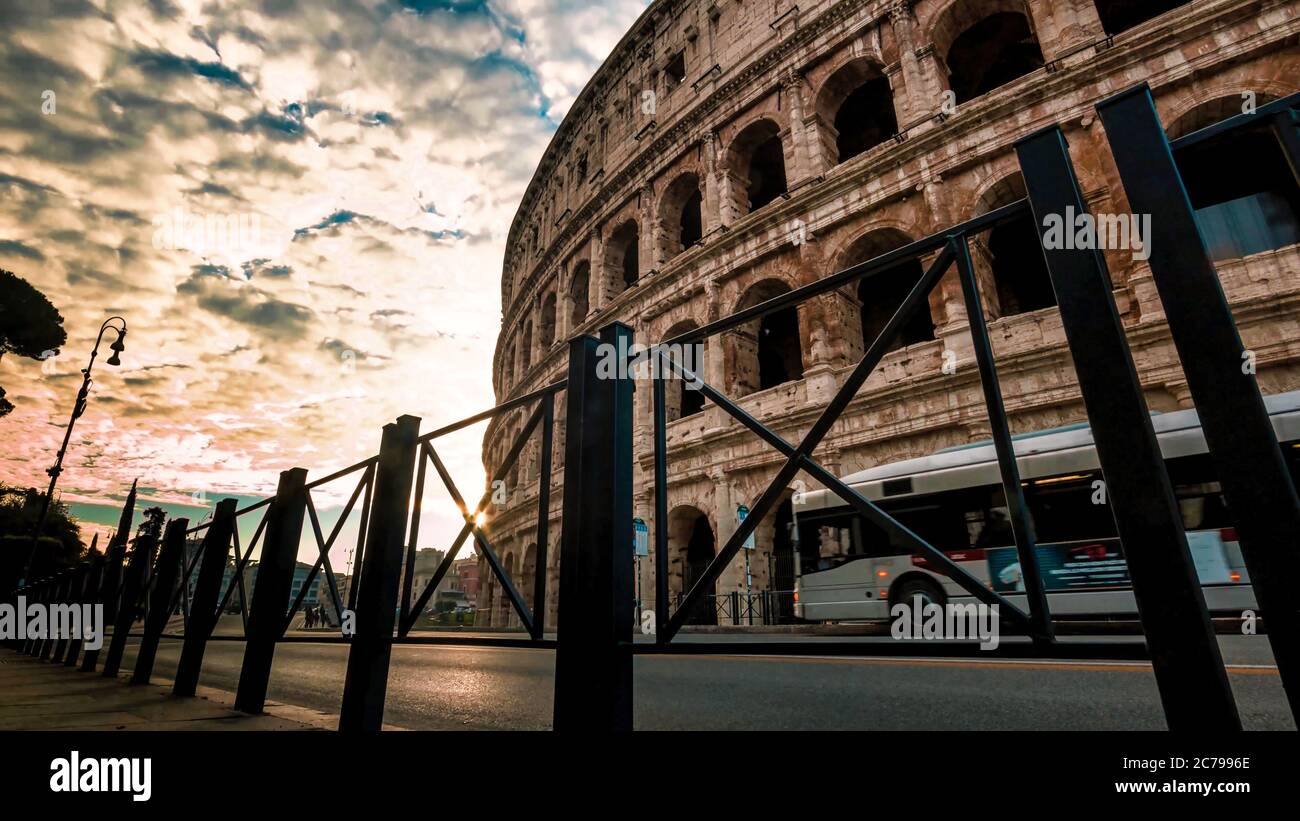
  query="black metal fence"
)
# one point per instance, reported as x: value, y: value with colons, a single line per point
x: 594, y: 650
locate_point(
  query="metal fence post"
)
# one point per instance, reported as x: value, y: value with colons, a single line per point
x: 207, y: 593
x: 111, y: 581
x: 69, y: 594
x: 376, y: 613
x: 171, y: 557
x: 1184, y: 654
x: 40, y: 594
x: 1243, y: 446
x: 593, y: 658
x: 128, y: 605
x: 271, y: 591
x: 85, y: 596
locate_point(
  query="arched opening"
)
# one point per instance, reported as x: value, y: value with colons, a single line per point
x: 681, y: 215
x: 766, y: 352
x: 1015, y: 255
x: 580, y: 294
x: 680, y: 398
x: 882, y: 294
x: 757, y: 165
x: 1242, y: 208
x: 691, y: 225
x: 691, y: 548
x: 991, y: 50
x: 622, y: 258
x: 526, y: 347
x: 546, y: 330
x: 859, y: 103
x: 1122, y: 15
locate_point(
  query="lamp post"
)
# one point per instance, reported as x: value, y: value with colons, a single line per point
x: 77, y: 409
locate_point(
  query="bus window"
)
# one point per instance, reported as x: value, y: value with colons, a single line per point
x: 1200, y: 499
x: 988, y: 522
x: 827, y: 541
x: 936, y: 519
x: 1064, y: 510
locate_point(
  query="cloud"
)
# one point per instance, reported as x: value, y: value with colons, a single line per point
x: 373, y: 150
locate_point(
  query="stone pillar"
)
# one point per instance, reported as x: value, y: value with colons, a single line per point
x: 563, y: 303
x: 903, y: 109
x: 792, y: 86
x: 597, y: 287
x: 712, y: 185
x: 724, y: 513
x: 650, y: 249
x: 924, y: 79
x: 1063, y: 26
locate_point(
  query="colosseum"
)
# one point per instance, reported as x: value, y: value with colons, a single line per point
x: 728, y: 151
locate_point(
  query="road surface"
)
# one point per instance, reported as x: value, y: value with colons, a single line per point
x: 433, y: 687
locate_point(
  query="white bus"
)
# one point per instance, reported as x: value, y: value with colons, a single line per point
x: 848, y: 569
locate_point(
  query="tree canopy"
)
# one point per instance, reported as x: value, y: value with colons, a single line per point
x: 30, y: 325
x: 60, y: 544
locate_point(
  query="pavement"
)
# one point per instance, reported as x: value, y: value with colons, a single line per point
x: 437, y: 687
x: 40, y: 695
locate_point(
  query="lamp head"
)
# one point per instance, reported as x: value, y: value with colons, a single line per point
x: 117, y: 347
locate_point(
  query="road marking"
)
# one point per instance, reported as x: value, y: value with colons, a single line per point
x: 1013, y: 664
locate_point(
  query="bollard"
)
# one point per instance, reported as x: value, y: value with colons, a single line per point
x: 207, y: 592
x: 366, y: 686
x: 170, y: 559
x: 271, y: 590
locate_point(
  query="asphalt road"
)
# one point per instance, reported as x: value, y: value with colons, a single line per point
x: 433, y: 687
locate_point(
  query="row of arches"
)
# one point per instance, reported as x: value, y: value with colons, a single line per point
x: 979, y: 46
x: 983, y: 45
x: 769, y: 351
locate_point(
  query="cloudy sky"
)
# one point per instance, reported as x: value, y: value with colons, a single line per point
x: 300, y: 208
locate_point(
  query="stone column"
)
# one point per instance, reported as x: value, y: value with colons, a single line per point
x: 792, y: 86
x: 712, y: 185
x: 563, y: 303
x: 1063, y: 26
x: 924, y: 80
x: 650, y: 249
x: 597, y: 296
x: 724, y: 513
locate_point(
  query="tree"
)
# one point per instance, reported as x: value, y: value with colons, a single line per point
x: 60, y: 543
x: 153, y: 523
x: 30, y: 325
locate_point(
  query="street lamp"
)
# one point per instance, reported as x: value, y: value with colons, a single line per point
x: 79, y: 408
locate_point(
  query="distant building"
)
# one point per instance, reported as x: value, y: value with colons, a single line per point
x: 466, y: 571
x: 315, y: 593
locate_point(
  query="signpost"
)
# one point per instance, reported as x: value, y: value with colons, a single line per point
x: 640, y: 547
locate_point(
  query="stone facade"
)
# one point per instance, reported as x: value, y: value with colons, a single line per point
x: 730, y: 150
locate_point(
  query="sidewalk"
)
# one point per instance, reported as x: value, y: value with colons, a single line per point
x: 40, y: 695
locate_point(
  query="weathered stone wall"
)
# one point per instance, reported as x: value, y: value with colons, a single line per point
x: 636, y: 141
